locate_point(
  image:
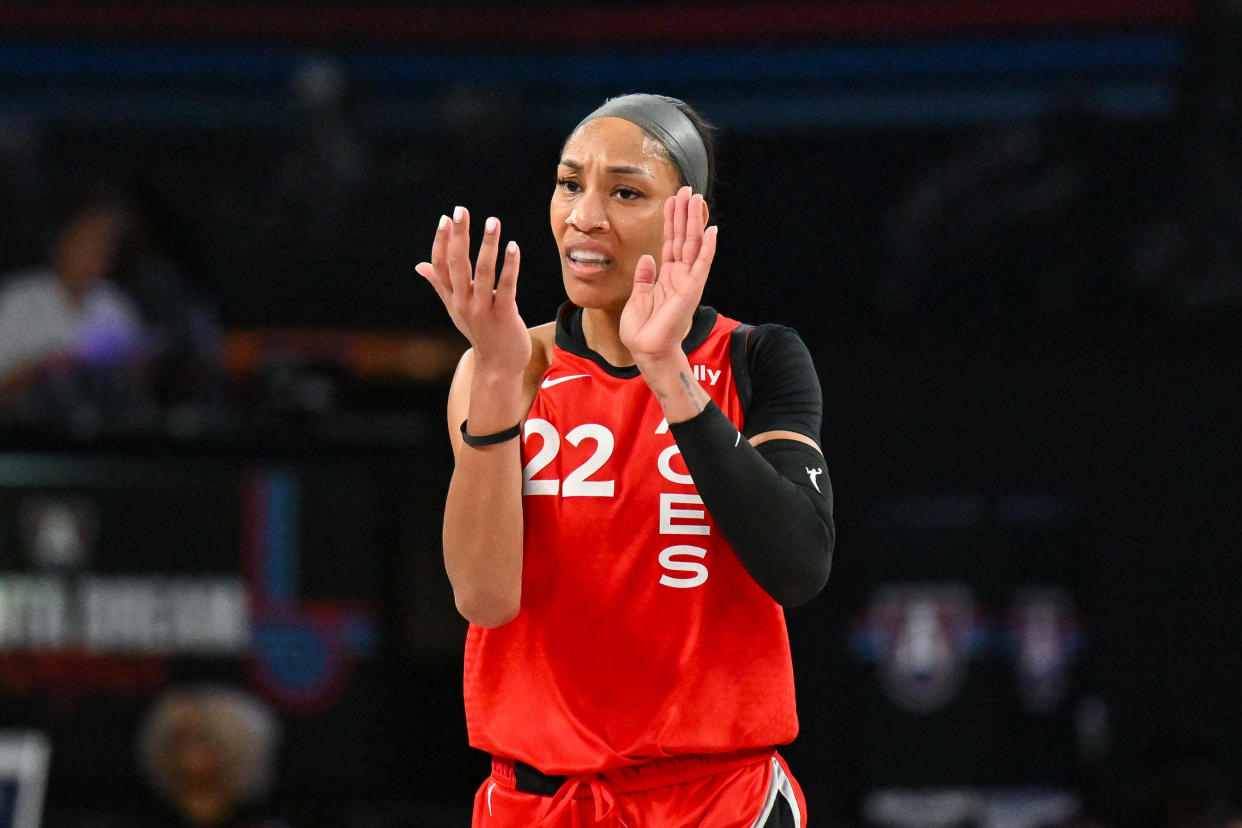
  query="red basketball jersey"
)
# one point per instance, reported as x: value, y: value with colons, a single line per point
x: 640, y: 635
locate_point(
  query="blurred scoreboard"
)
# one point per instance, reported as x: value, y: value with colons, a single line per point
x: 281, y: 571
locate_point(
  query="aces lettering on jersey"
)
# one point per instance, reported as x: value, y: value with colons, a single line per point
x: 681, y: 513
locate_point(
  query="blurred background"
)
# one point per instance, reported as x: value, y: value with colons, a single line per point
x: 1010, y: 232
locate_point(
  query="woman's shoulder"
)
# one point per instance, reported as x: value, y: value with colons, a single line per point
x: 542, y: 341
x: 23, y: 285
x: 543, y: 336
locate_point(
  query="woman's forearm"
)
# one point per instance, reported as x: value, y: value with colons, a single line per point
x: 483, y: 512
x: 672, y: 381
x: 483, y: 533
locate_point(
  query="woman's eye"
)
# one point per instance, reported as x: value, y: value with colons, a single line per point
x: 567, y: 184
x: 626, y: 193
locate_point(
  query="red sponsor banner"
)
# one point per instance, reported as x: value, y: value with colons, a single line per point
x: 65, y: 678
x: 582, y: 27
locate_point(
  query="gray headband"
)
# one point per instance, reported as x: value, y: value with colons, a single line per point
x: 661, y: 118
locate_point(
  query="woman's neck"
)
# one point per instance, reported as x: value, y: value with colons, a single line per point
x: 602, y: 331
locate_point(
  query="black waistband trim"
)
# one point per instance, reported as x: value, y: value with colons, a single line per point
x: 533, y: 781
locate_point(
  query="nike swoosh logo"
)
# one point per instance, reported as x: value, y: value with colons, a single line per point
x: 551, y: 381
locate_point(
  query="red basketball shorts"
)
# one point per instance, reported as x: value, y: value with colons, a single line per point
x: 740, y: 790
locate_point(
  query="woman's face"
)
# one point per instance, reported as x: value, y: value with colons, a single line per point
x: 608, y: 209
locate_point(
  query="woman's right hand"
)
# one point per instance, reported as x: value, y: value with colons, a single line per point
x: 483, y: 525
x: 483, y: 308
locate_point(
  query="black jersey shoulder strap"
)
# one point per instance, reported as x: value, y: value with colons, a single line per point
x: 739, y: 347
x: 776, y: 381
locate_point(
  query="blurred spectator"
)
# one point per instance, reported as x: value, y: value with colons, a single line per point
x: 69, y: 316
x: 209, y: 752
x: 185, y: 364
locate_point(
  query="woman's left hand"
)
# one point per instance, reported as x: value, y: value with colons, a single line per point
x: 660, y: 309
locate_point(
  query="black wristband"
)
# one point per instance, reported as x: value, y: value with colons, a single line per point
x: 489, y: 439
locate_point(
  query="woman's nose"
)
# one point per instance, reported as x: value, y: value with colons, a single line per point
x: 589, y: 214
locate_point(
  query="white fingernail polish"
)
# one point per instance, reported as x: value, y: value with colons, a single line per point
x: 511, y: 248
x: 490, y: 225
x: 459, y: 213
x: 443, y: 222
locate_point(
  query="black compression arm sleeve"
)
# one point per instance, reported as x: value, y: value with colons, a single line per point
x: 773, y: 503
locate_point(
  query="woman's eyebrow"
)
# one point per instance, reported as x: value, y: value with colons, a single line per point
x: 616, y: 170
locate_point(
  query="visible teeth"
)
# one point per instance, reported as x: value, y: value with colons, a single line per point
x: 587, y: 256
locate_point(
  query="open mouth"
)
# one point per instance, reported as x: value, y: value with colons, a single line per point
x: 587, y: 260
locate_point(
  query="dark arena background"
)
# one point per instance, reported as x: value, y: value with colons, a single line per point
x: 1010, y: 232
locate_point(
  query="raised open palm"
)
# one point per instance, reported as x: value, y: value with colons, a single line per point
x: 482, y: 306
x: 662, y: 305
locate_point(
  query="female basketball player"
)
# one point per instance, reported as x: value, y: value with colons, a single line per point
x: 638, y: 490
